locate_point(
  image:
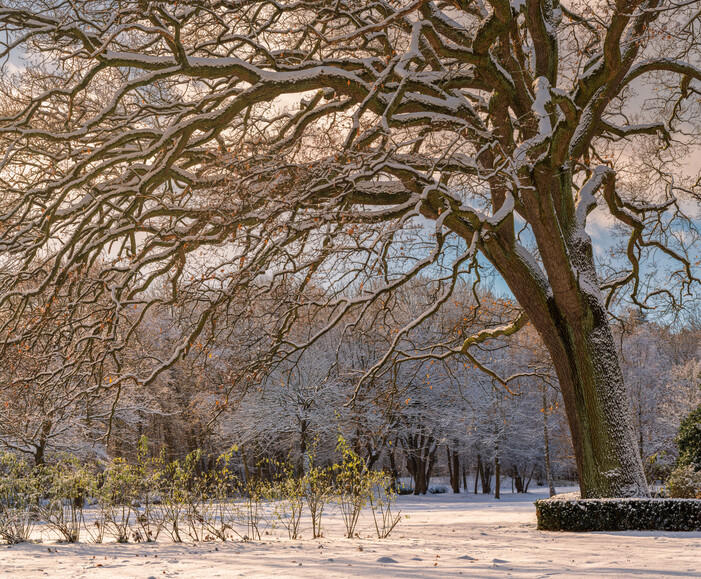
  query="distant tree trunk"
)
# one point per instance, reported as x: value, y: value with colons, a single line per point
x: 450, y: 463
x: 303, y: 458
x: 486, y: 475
x: 421, y: 452
x: 497, y: 476
x: 517, y: 479
x: 464, y: 478
x: 372, y: 456
x: 477, y: 472
x: 453, y: 468
x: 169, y: 442
x: 456, y: 470
x: 393, y: 469
x: 412, y: 467
x: 418, y: 473
x: 546, y: 439
x: 520, y: 480
x: 487, y: 482
x: 40, y: 448
x: 246, y: 472
x: 528, y: 481
x: 420, y: 482
x: 429, y: 468
x: 39, y: 459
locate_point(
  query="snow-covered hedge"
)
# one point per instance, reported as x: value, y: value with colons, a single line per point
x: 570, y: 513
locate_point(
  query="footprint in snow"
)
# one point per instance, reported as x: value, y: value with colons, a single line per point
x: 467, y: 558
x: 387, y: 560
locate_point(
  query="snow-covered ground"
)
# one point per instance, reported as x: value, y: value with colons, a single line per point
x: 444, y: 536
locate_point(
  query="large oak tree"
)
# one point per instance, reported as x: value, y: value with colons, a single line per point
x: 325, y: 152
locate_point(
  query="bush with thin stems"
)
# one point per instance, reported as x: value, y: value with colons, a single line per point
x: 64, y: 488
x: 354, y: 485
x: 382, y: 504
x: 140, y: 499
x: 288, y: 492
x: 18, y: 499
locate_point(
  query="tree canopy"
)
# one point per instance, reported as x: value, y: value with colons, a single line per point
x: 279, y: 159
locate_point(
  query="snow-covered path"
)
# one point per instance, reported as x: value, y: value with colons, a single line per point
x: 445, y: 536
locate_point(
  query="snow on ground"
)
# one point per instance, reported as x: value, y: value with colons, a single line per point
x: 445, y: 536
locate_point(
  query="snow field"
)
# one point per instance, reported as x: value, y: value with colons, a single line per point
x: 445, y: 536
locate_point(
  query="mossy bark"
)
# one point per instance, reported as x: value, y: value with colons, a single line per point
x: 564, y: 303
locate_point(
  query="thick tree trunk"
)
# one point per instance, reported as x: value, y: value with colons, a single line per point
x: 588, y: 369
x: 565, y: 306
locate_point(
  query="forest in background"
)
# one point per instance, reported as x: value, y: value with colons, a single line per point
x: 422, y: 418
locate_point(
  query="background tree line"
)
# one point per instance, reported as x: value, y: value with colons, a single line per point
x: 426, y: 416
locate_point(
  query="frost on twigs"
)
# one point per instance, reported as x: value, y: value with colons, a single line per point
x: 300, y: 163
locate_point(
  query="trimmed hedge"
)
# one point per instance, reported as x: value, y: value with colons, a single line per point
x: 574, y: 514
